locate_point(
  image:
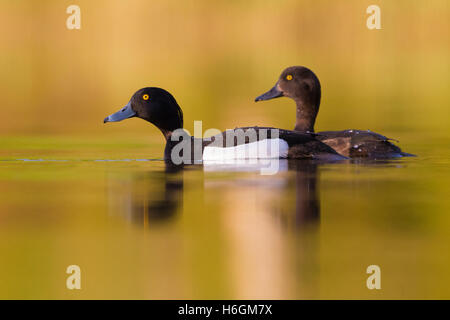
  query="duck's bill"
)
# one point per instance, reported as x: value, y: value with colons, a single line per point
x: 124, y: 113
x: 271, y: 94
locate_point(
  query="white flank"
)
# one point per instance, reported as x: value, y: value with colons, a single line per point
x: 263, y: 149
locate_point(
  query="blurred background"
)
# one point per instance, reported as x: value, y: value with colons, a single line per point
x: 215, y: 57
x: 138, y: 231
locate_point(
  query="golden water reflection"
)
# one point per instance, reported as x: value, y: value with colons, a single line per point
x: 142, y: 230
x: 257, y: 256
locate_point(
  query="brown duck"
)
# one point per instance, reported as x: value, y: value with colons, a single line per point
x: 303, y: 86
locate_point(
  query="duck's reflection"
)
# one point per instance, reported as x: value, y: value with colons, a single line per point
x: 163, y: 206
x: 151, y: 197
x: 259, y: 233
x: 147, y: 198
x: 269, y: 225
x: 290, y: 196
x: 307, y: 204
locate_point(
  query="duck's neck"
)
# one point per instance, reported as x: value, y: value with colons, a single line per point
x: 168, y: 128
x: 306, y: 117
x: 166, y: 133
x: 171, y: 121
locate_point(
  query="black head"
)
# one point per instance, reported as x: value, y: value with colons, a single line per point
x: 155, y: 105
x: 301, y: 85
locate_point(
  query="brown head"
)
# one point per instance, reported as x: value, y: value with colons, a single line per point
x: 303, y: 86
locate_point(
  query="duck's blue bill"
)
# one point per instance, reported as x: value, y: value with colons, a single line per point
x: 272, y: 93
x: 125, y: 113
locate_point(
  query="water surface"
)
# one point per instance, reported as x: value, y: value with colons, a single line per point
x: 139, y: 229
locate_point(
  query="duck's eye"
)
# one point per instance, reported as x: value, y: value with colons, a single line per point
x: 145, y: 97
x: 289, y: 77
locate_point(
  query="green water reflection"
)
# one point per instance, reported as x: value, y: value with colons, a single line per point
x: 140, y: 229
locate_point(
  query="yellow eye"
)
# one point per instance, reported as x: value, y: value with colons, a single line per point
x: 289, y: 77
x: 145, y: 97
